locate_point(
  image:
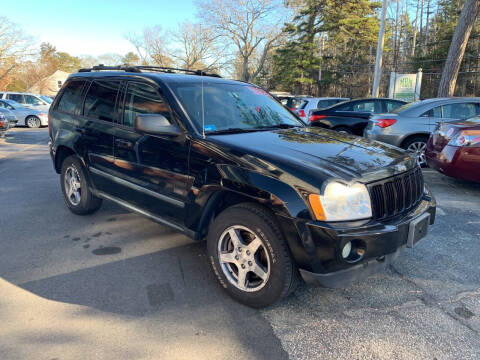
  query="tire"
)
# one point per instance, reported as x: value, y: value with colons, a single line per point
x: 272, y: 258
x: 81, y: 200
x: 417, y: 146
x: 344, y: 130
x: 33, y: 122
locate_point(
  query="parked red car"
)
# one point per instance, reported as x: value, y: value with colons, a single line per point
x: 454, y: 149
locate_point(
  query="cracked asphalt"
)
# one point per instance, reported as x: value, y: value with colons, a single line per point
x: 114, y: 285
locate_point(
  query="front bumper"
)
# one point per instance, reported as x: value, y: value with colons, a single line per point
x: 383, y: 243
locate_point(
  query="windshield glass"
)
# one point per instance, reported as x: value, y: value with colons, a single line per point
x: 233, y: 106
x: 46, y: 98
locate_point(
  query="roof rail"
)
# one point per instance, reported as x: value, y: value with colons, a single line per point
x: 139, y: 68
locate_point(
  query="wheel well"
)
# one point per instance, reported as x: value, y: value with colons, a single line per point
x: 61, y: 154
x: 409, y: 137
x: 218, y: 202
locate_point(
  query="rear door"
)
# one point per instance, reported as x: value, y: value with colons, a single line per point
x: 100, y: 113
x: 153, y: 170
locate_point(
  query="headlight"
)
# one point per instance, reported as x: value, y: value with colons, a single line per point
x: 340, y: 202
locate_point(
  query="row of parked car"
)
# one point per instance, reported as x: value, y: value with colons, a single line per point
x: 23, y: 109
x: 443, y: 133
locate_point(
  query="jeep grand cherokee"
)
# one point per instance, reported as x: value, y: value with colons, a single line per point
x: 223, y: 160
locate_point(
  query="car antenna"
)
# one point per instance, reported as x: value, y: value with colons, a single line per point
x: 203, y: 108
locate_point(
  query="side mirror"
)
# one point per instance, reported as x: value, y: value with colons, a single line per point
x: 155, y: 124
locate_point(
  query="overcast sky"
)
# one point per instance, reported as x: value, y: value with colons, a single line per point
x: 89, y: 27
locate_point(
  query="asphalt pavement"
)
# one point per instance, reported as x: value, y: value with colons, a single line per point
x: 114, y: 285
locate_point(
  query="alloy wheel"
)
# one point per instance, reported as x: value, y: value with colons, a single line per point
x: 243, y: 258
x: 33, y: 122
x: 418, y: 148
x: 73, y: 186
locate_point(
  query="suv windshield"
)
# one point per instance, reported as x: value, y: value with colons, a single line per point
x: 233, y: 107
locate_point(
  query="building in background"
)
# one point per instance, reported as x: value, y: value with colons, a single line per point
x: 50, y: 85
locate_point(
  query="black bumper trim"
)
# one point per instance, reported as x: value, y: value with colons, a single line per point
x: 341, y: 278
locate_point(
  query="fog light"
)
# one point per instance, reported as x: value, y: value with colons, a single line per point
x: 347, y: 249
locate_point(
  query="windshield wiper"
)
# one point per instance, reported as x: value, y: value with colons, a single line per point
x: 278, y: 126
x: 231, y: 131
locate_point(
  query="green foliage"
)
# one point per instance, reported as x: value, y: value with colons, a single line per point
x: 332, y: 35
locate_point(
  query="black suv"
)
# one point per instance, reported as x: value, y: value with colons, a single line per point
x: 223, y: 160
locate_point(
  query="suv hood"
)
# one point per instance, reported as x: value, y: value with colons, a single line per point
x: 316, y: 151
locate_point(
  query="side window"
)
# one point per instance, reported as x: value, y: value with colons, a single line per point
x: 100, y: 100
x: 459, y: 110
x: 366, y: 106
x: 71, y: 97
x: 435, y: 112
x: 16, y: 97
x: 33, y: 100
x: 143, y: 99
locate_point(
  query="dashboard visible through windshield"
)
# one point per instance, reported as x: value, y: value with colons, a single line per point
x: 233, y: 107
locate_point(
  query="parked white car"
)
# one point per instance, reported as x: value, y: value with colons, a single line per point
x: 34, y: 101
x: 26, y: 116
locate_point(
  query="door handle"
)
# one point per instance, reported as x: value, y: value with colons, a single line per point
x: 124, y: 144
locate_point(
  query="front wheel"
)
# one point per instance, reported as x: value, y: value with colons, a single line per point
x: 250, y: 257
x: 75, y: 187
x: 33, y: 122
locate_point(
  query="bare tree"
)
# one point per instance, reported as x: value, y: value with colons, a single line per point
x: 151, y: 46
x: 457, y: 47
x: 251, y: 26
x: 196, y: 47
x: 14, y: 46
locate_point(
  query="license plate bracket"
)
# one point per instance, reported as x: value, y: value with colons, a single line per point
x: 418, y: 229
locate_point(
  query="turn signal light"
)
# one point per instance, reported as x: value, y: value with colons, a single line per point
x: 313, y: 118
x: 383, y: 123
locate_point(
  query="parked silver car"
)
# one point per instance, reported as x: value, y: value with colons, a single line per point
x: 309, y: 104
x: 34, y: 101
x: 26, y: 116
x: 409, y: 126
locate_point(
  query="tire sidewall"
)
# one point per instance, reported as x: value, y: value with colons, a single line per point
x: 33, y: 117
x: 275, y: 285
x: 82, y: 207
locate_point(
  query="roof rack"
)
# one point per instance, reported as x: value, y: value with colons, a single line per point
x: 139, y: 68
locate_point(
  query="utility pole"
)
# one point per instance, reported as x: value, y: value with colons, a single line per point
x: 378, y: 58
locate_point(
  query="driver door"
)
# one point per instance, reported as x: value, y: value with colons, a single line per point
x: 153, y: 170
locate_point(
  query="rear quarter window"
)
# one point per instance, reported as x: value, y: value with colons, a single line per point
x: 71, y: 97
x: 100, y: 100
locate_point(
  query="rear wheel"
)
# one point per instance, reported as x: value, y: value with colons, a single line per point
x: 33, y: 122
x: 343, y: 130
x: 76, y: 188
x: 250, y: 257
x: 417, y: 146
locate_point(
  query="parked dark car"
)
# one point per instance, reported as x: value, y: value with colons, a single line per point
x: 223, y: 160
x: 351, y: 117
x: 454, y: 149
